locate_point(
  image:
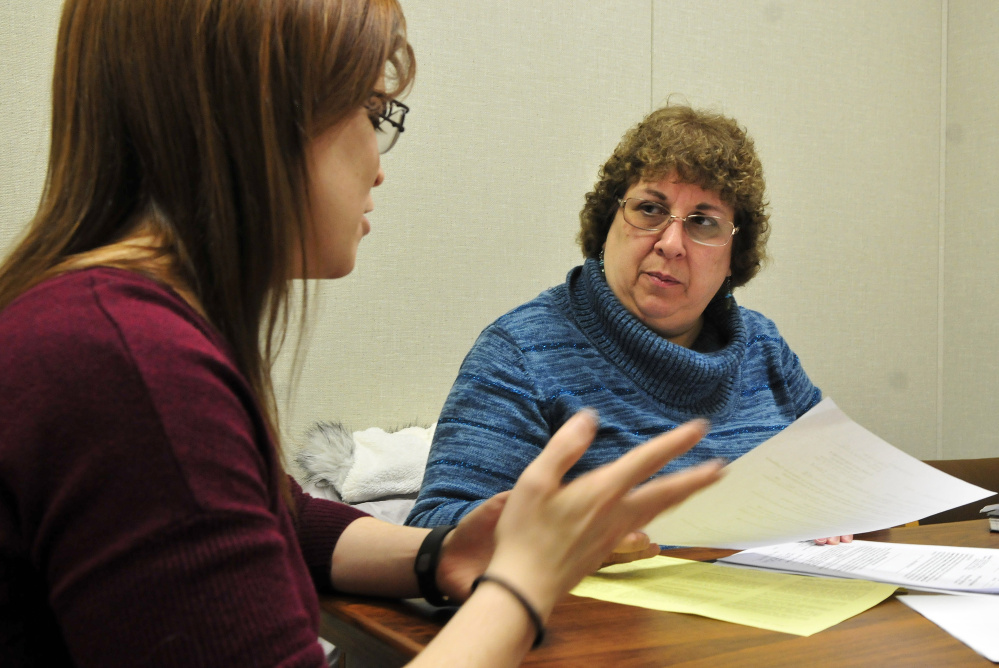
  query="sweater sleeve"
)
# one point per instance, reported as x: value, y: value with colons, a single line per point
x: 492, y: 426
x: 318, y: 524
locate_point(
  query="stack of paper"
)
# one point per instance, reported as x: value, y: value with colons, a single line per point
x: 824, y: 475
x: 925, y: 567
x: 970, y: 571
x: 777, y: 602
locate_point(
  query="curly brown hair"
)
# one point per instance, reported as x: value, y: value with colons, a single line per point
x: 704, y: 149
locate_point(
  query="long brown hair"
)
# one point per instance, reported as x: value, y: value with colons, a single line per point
x: 192, y: 116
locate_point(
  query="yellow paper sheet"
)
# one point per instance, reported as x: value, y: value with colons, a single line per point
x: 795, y: 604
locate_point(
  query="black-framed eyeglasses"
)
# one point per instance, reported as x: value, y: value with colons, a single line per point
x: 388, y: 116
x: 652, y: 216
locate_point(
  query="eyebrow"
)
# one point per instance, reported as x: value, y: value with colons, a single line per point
x: 661, y: 196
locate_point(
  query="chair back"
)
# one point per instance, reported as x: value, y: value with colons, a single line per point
x: 981, y: 472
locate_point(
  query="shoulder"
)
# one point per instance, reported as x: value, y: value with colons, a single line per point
x: 513, y: 340
x: 758, y: 325
x: 502, y: 359
x: 109, y: 366
x: 769, y: 353
x: 764, y: 342
x: 763, y: 336
x: 539, y: 316
x: 105, y: 326
x: 100, y: 308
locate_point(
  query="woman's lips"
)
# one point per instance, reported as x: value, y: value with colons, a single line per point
x: 664, y: 280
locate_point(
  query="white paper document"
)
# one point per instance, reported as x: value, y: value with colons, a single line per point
x: 937, y: 567
x: 824, y: 475
x: 970, y: 619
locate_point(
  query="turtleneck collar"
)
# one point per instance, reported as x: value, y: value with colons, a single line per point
x: 700, y: 383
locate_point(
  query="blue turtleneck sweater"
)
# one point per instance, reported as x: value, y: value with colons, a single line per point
x: 574, y: 346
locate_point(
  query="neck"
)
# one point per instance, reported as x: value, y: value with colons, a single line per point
x: 687, y: 338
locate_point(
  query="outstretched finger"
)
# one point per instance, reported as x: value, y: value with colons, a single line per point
x: 657, y: 495
x: 639, y: 464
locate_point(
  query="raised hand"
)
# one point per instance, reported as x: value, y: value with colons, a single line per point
x: 550, y: 535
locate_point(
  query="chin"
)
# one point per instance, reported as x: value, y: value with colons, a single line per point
x: 330, y: 270
x: 340, y: 264
x: 340, y: 272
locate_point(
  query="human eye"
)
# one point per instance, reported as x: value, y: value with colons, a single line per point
x: 702, y: 222
x: 375, y: 106
x: 650, y: 209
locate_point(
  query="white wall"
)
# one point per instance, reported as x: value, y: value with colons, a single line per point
x: 970, y: 313
x: 518, y: 102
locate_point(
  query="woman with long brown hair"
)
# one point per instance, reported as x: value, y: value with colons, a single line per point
x: 204, y: 152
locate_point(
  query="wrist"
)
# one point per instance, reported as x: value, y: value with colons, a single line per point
x: 537, y: 621
x: 539, y: 583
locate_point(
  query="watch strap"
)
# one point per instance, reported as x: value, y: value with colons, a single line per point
x: 425, y: 566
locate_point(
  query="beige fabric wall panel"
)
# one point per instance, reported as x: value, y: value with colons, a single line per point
x: 971, y: 303
x: 515, y: 106
x: 27, y: 52
x: 843, y: 100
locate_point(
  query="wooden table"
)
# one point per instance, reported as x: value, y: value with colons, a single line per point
x: 582, y: 631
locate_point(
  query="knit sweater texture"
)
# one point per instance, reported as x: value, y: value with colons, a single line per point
x: 576, y: 346
x: 141, y: 518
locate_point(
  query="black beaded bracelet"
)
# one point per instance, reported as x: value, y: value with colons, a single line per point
x: 539, y: 626
x: 425, y: 566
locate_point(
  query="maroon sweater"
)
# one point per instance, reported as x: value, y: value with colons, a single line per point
x: 141, y: 520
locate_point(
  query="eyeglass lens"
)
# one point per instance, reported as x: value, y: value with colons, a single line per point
x: 389, y: 123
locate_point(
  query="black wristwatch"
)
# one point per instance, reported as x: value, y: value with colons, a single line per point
x: 425, y: 566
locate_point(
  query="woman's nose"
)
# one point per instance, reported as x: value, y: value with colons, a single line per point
x: 380, y: 177
x: 671, y: 239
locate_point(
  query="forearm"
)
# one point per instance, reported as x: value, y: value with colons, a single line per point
x: 376, y: 558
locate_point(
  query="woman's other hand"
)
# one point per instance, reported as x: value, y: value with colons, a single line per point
x: 468, y: 549
x: 633, y: 547
x: 834, y: 540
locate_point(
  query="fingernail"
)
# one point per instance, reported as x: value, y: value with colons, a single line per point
x: 592, y: 412
x: 703, y: 423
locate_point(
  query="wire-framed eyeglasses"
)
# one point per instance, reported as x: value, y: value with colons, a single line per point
x: 652, y: 216
x: 388, y: 116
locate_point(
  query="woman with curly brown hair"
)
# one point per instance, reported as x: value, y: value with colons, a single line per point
x: 646, y: 331
x: 204, y: 153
